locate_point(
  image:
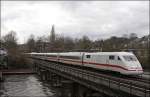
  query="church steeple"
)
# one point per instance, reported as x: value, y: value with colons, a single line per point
x: 52, y: 34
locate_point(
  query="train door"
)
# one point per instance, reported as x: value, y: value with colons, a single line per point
x: 82, y: 59
x: 107, y: 62
x: 110, y: 62
x: 119, y: 61
x: 87, y: 60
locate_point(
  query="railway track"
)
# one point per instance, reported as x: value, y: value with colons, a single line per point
x: 130, y: 79
x: 135, y: 80
x: 141, y: 83
x: 140, y: 79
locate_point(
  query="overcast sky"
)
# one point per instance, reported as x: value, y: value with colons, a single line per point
x: 96, y: 19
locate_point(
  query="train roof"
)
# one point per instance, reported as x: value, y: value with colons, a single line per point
x: 86, y: 53
x: 110, y: 53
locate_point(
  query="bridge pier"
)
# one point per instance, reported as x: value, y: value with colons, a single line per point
x: 48, y: 76
x: 36, y: 68
x: 67, y: 87
x: 1, y: 76
x: 56, y: 80
x: 78, y: 90
x: 42, y: 74
x: 82, y: 91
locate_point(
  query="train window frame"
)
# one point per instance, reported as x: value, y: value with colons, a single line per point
x: 119, y: 58
x: 111, y: 57
x: 88, y: 56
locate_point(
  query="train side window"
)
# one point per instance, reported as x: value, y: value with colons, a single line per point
x: 119, y: 58
x: 88, y: 56
x: 111, y: 57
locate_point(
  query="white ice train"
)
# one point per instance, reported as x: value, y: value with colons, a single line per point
x: 123, y: 62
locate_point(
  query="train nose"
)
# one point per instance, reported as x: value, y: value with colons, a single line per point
x: 136, y: 71
x: 139, y: 70
x: 136, y: 68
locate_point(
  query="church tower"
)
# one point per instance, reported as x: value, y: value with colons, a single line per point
x: 52, y: 35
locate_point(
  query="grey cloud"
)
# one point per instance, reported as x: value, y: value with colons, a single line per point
x: 133, y: 20
x: 96, y: 19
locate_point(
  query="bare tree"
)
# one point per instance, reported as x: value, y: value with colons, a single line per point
x: 133, y: 36
x: 84, y: 43
x: 59, y: 43
x: 15, y: 57
x: 10, y: 40
x: 69, y: 43
x: 31, y: 43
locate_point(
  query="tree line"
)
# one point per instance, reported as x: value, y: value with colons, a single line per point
x: 58, y: 43
x: 61, y: 43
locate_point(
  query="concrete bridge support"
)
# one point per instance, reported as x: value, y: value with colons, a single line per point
x: 42, y: 74
x: 81, y: 91
x: 67, y: 87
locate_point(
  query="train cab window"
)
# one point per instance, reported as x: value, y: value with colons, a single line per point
x: 88, y: 56
x: 111, y: 57
x: 130, y: 58
x: 119, y: 58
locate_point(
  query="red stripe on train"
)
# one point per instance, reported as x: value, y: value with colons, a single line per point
x: 107, y: 65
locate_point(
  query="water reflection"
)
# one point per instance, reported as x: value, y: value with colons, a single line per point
x: 25, y: 85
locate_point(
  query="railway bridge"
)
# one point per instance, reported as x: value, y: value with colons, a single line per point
x: 87, y: 82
